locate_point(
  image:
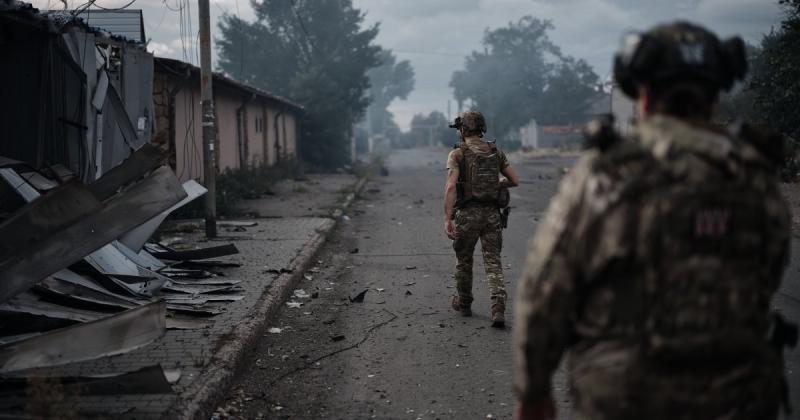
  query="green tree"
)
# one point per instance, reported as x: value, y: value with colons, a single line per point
x: 775, y: 79
x: 314, y: 52
x: 388, y: 81
x: 520, y: 75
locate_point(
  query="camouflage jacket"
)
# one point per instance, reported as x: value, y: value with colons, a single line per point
x: 585, y: 271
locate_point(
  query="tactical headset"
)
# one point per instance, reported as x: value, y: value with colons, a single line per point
x: 681, y: 51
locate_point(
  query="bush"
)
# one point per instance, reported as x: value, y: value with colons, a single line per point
x: 236, y: 185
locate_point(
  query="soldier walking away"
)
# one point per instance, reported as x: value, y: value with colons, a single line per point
x: 474, y: 195
x: 655, y: 265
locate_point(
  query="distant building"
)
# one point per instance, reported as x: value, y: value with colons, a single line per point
x: 624, y: 110
x: 253, y: 127
x: 529, y: 135
x: 534, y: 135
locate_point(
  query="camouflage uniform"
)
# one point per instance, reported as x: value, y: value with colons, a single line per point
x: 593, y: 288
x: 478, y: 221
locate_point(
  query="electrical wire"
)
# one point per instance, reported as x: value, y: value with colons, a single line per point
x: 127, y: 5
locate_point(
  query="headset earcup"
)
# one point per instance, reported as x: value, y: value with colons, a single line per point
x: 624, y: 79
x: 734, y: 54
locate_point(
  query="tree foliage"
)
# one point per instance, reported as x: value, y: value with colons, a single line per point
x: 314, y: 52
x: 390, y: 80
x: 771, y: 92
x: 775, y: 79
x: 521, y: 75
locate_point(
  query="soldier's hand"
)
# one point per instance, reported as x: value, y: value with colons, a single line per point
x: 450, y: 229
x: 544, y: 409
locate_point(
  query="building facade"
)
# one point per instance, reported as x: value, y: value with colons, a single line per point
x: 254, y: 127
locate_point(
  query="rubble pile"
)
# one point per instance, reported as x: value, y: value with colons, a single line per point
x: 82, y: 192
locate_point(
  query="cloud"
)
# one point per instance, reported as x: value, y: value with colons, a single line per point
x: 435, y: 35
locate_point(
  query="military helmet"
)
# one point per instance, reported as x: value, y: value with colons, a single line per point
x: 679, y: 51
x: 471, y: 121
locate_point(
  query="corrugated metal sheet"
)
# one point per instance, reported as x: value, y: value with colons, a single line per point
x: 126, y: 23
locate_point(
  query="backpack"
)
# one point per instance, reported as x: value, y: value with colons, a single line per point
x: 479, y: 175
x: 703, y: 263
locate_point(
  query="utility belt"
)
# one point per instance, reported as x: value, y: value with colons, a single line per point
x: 504, y: 211
x: 478, y: 204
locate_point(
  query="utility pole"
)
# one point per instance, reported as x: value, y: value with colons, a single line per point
x: 209, y: 129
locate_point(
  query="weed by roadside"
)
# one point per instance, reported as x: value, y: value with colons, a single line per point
x: 236, y: 185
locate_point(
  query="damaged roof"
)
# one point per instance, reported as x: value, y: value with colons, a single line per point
x: 127, y: 23
x: 179, y: 67
x: 59, y: 21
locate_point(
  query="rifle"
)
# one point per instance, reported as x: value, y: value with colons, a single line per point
x: 504, y: 216
x: 783, y: 334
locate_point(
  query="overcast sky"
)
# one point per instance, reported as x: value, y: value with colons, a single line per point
x: 435, y: 35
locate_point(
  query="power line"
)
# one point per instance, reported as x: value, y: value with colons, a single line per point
x: 447, y: 54
x: 114, y: 8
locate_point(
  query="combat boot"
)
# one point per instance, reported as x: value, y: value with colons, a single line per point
x: 498, y: 314
x: 458, y: 306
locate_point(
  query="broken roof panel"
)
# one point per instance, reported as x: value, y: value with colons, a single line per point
x: 127, y: 23
x: 109, y: 336
x: 58, y: 249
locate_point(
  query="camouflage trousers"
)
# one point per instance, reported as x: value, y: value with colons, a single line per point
x: 473, y: 223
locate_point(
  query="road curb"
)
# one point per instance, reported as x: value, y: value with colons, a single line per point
x: 198, y: 400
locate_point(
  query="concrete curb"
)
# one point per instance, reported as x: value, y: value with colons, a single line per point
x: 198, y: 400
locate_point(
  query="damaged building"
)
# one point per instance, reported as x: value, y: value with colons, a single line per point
x: 254, y: 127
x: 82, y: 191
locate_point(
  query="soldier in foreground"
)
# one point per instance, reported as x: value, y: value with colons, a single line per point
x: 656, y: 262
x: 472, y: 203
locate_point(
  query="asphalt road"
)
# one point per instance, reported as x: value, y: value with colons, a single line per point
x: 402, y: 353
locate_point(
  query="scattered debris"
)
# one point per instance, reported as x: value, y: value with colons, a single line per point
x: 279, y: 271
x: 301, y: 294
x: 359, y: 297
x: 234, y: 223
x: 148, y: 380
x: 115, y: 334
x: 292, y: 304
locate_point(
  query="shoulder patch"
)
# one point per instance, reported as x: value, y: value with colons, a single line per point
x: 600, y: 134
